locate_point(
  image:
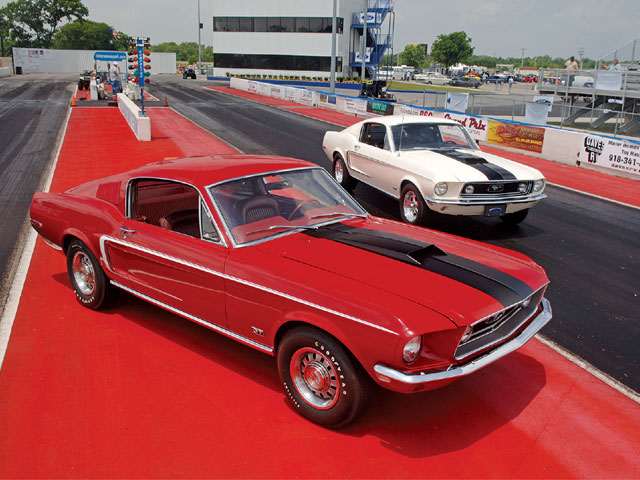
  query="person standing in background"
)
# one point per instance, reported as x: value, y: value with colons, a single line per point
x: 114, y: 77
x: 571, y: 65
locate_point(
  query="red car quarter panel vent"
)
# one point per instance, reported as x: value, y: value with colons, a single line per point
x: 109, y: 192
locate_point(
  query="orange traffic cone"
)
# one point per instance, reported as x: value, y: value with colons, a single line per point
x: 73, y: 101
x: 165, y: 101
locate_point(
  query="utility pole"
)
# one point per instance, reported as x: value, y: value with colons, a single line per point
x: 199, y: 48
x: 363, y: 51
x: 581, y: 53
x: 334, y: 27
x: 522, y: 50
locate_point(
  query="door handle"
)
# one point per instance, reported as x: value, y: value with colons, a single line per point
x: 124, y: 231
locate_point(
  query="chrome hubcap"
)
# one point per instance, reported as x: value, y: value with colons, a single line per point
x: 83, y: 273
x: 338, y: 172
x: 410, y: 206
x: 315, y: 378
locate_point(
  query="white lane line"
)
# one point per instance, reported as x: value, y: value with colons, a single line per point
x: 612, y: 382
x: 13, y: 300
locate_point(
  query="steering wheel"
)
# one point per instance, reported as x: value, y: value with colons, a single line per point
x: 299, y: 206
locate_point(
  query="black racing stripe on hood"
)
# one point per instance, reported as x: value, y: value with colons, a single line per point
x: 503, y: 287
x: 490, y: 170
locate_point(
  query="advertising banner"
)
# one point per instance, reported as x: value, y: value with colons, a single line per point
x: 252, y: 86
x: 476, y: 126
x: 290, y: 93
x: 536, y: 113
x: 457, y: 102
x: 264, y: 89
x: 379, y: 108
x: 305, y: 97
x: 611, y: 153
x: 355, y: 106
x: 276, y: 91
x: 523, y: 137
x: 327, y: 101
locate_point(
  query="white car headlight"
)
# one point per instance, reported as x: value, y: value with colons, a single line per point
x: 441, y: 188
x: 538, y: 185
x: 412, y: 349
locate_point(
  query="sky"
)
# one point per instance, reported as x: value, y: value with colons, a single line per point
x: 502, y: 28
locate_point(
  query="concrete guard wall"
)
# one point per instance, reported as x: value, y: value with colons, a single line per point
x: 5, y: 71
x: 560, y: 145
x: 141, y: 126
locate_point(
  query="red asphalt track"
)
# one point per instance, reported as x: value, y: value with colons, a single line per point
x: 134, y: 391
x: 595, y: 183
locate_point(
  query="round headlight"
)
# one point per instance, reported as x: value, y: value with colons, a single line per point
x: 412, y: 349
x: 523, y: 188
x: 469, y: 189
x: 441, y: 188
x: 538, y: 185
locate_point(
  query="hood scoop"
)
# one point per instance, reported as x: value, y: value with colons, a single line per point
x: 389, y: 245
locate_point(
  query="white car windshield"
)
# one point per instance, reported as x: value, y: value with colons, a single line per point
x: 431, y: 136
x: 269, y: 205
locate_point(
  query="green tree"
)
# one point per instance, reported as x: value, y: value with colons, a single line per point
x: 451, y: 49
x: 5, y: 23
x: 33, y: 23
x: 88, y: 35
x: 413, y: 54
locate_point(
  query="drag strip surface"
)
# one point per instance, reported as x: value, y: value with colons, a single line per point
x: 33, y: 110
x: 588, y: 246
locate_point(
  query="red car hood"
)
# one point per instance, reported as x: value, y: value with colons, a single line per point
x: 461, y: 279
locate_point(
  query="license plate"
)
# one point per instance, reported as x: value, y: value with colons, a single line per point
x: 495, y: 210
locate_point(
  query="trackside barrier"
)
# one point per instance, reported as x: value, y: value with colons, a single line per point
x: 141, y: 126
x: 613, y: 155
x: 5, y: 71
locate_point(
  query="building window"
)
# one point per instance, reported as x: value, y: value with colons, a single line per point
x: 276, y: 24
x: 275, y: 62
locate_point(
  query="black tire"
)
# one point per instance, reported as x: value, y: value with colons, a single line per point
x: 184, y: 76
x: 88, y: 280
x: 514, y: 218
x: 413, y: 210
x: 80, y: 86
x: 321, y: 379
x: 341, y: 173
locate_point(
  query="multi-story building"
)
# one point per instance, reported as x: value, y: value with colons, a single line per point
x: 293, y: 37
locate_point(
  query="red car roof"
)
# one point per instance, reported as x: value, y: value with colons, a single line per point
x: 207, y: 170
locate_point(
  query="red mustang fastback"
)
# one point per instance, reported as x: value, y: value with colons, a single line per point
x: 273, y: 253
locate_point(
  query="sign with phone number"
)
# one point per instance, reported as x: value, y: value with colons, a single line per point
x: 611, y: 153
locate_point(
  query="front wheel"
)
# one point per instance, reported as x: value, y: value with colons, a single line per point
x: 88, y: 280
x: 413, y: 210
x: 341, y: 174
x: 322, y: 381
x: 514, y: 218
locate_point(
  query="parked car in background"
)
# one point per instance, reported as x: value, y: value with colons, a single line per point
x: 500, y: 79
x: 189, y: 72
x: 85, y: 80
x: 432, y: 78
x: 469, y: 82
x: 432, y: 165
x: 272, y: 253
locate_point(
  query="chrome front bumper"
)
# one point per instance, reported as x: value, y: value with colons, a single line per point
x: 485, y: 200
x: 399, y: 381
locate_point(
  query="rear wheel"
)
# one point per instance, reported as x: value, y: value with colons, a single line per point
x: 413, y: 210
x: 514, y: 218
x: 321, y: 379
x: 341, y: 174
x: 88, y: 280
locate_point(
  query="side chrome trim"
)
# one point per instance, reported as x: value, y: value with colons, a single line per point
x: 417, y: 379
x: 103, y: 252
x: 210, y: 326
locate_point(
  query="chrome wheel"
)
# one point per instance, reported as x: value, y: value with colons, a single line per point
x: 83, y: 273
x: 338, y: 172
x: 315, y: 378
x: 411, y: 206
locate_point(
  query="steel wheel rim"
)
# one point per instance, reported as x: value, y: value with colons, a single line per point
x: 83, y: 273
x: 338, y: 172
x: 315, y: 378
x: 410, y: 206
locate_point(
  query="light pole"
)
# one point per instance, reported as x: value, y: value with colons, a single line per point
x: 332, y: 84
x: 363, y: 51
x: 199, y: 48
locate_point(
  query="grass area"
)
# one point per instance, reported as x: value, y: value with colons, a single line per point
x: 420, y: 87
x: 608, y: 128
